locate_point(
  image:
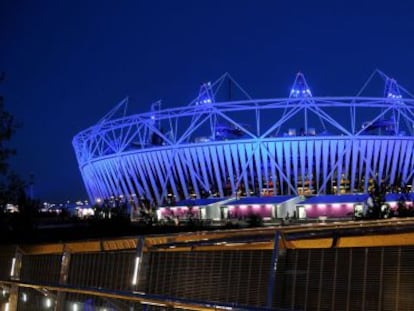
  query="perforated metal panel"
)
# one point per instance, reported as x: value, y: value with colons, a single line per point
x: 222, y: 276
x: 109, y: 270
x: 347, y: 279
x: 309, y: 279
x: 41, y: 268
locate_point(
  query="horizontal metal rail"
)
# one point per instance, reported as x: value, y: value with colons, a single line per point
x: 395, y: 230
x: 139, y: 297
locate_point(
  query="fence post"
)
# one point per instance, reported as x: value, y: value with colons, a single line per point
x: 15, y: 269
x: 273, y: 269
x: 63, y: 279
x: 138, y: 262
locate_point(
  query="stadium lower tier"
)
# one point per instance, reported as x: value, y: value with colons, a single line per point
x: 268, y: 167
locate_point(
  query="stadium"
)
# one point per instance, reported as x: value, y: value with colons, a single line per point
x: 239, y: 147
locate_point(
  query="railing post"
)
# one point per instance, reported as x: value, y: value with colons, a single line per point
x: 273, y: 269
x: 63, y: 279
x: 138, y: 262
x: 15, y: 268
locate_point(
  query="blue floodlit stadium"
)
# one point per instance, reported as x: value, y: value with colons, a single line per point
x: 300, y: 144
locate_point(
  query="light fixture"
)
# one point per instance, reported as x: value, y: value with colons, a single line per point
x: 48, y: 302
x: 136, y: 268
x: 13, y: 266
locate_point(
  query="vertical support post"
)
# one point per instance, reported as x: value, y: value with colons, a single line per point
x: 63, y: 279
x: 15, y: 268
x: 11, y: 305
x: 273, y: 269
x: 138, y: 262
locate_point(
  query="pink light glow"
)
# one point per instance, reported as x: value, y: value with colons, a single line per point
x: 335, y: 210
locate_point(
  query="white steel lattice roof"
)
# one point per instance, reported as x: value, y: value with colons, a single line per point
x: 278, y: 146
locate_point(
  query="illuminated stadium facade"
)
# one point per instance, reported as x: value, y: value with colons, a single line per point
x: 301, y: 144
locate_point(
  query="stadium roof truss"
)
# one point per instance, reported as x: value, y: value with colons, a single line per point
x: 225, y: 147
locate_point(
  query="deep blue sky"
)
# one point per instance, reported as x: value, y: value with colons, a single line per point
x: 68, y: 63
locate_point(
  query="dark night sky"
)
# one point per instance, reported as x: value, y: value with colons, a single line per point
x: 68, y: 63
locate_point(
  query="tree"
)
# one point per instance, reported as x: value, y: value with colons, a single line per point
x: 12, y: 187
x: 7, y: 128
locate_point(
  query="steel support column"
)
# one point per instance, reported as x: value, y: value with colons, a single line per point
x: 273, y: 269
x: 15, y: 268
x: 63, y: 279
x: 138, y: 262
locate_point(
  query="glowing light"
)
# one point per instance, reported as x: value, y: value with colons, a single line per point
x: 13, y: 266
x: 24, y: 297
x: 136, y: 268
x: 206, y: 95
x: 223, y: 308
x: 392, y: 89
x: 75, y: 307
x: 48, y: 302
x: 300, y: 87
x: 205, y: 101
x: 153, y: 303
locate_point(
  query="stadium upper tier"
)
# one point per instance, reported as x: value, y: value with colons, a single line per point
x: 301, y: 144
